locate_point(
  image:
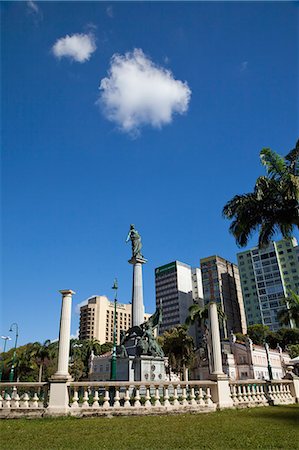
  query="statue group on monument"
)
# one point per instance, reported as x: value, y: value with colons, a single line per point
x: 140, y: 338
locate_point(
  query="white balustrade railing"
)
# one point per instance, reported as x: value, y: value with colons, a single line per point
x: 97, y: 396
x: 260, y: 392
x: 23, y: 395
x: 124, y: 395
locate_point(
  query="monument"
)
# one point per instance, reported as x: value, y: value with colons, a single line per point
x: 137, y: 261
x: 138, y: 355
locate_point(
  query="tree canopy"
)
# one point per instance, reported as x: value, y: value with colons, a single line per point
x: 273, y: 205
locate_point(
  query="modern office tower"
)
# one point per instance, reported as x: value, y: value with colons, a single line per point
x: 221, y: 283
x: 97, y: 319
x: 177, y: 288
x: 266, y: 275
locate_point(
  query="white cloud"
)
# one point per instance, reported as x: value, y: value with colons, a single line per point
x: 76, y: 335
x: 78, y: 47
x: 33, y: 7
x: 137, y: 92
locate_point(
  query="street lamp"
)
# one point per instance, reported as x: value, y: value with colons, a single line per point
x: 266, y: 345
x: 11, y: 373
x: 5, y: 338
x: 113, y: 360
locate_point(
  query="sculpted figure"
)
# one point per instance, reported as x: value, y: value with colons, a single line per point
x: 135, y: 239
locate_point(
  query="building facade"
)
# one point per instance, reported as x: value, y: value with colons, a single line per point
x: 266, y: 275
x: 243, y: 361
x: 178, y: 286
x: 221, y: 283
x: 97, y: 319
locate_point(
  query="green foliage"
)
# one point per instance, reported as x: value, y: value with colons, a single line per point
x: 178, y: 346
x: 283, y: 337
x: 273, y: 204
x: 293, y: 350
x: 240, y: 337
x: 291, y: 313
x: 258, y: 333
x: 38, y: 361
x: 200, y: 314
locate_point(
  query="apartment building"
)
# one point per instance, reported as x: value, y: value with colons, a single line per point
x: 221, y: 283
x: 178, y: 286
x: 266, y: 276
x: 97, y: 319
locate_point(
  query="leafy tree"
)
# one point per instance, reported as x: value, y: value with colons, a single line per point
x: 290, y: 315
x: 273, y: 204
x: 258, y: 333
x: 200, y: 314
x: 178, y: 346
x: 293, y: 350
x: 77, y: 369
x: 106, y: 347
x: 240, y: 337
x: 42, y: 354
x: 24, y: 364
x: 288, y: 336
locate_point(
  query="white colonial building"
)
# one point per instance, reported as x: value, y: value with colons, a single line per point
x: 243, y: 361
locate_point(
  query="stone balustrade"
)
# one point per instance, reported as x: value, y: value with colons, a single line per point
x: 140, y: 397
x: 248, y: 393
x: 21, y: 399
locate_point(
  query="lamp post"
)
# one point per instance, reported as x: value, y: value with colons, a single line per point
x: 113, y: 360
x: 11, y: 373
x: 266, y: 345
x: 5, y: 338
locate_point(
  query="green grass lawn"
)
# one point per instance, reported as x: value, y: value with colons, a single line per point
x: 256, y: 428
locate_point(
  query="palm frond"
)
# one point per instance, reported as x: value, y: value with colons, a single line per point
x: 293, y: 159
x: 274, y: 163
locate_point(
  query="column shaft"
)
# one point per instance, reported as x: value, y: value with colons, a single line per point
x: 216, y: 344
x: 64, y: 334
x: 137, y: 296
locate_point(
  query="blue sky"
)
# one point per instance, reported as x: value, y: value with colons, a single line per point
x: 74, y: 177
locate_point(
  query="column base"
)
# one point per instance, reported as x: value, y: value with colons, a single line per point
x: 221, y: 391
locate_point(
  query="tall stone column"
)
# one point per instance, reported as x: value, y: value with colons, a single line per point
x: 216, y: 344
x: 221, y: 389
x: 137, y: 291
x: 64, y: 334
x: 59, y: 398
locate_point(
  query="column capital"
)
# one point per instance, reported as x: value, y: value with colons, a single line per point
x: 67, y: 292
x: 135, y: 260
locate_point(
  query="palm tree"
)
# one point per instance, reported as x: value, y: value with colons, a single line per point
x: 273, y: 205
x: 178, y: 346
x: 290, y: 315
x: 42, y: 353
x: 200, y: 314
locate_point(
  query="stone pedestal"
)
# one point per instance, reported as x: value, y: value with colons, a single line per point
x: 137, y: 291
x: 221, y: 391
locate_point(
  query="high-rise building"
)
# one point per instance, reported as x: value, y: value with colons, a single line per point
x: 266, y: 275
x: 178, y: 286
x: 221, y: 283
x: 97, y: 319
